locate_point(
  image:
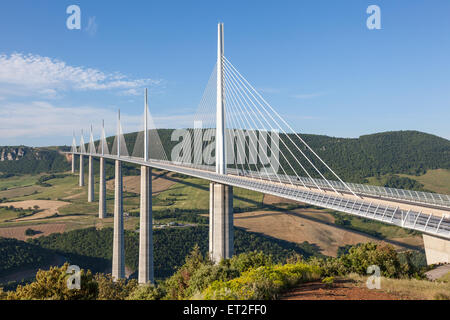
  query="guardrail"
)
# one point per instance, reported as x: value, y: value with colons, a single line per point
x: 419, y: 221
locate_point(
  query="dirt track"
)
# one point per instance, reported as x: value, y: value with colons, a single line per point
x: 340, y: 290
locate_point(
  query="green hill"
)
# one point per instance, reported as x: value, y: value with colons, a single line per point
x: 396, y: 152
x: 28, y: 160
x: 408, y: 152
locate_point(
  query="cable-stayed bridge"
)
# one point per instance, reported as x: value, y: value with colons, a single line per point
x: 239, y: 140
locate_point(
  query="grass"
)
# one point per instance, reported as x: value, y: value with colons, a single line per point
x: 373, y: 227
x: 6, y: 214
x: 18, y: 181
x: 434, y: 180
x: 411, y: 288
x: 437, y: 180
x: 193, y: 193
x: 385, y: 230
x: 445, y: 277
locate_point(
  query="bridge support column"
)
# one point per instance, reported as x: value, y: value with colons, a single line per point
x: 221, y: 222
x: 91, y: 181
x: 118, y: 260
x: 102, y: 191
x: 81, y: 171
x: 73, y: 163
x: 146, y: 231
x: 437, y: 250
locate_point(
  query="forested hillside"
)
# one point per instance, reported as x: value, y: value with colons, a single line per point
x: 16, y: 255
x: 92, y: 249
x: 27, y: 160
x: 409, y: 152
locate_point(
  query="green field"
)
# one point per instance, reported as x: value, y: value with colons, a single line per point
x: 18, y: 181
x: 434, y: 180
x: 187, y: 193
x: 193, y: 193
x: 437, y: 180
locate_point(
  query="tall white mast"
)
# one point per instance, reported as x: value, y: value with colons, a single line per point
x: 221, y: 166
x: 118, y: 135
x: 146, y: 127
x: 103, y: 137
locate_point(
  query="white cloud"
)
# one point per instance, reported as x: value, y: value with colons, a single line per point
x: 43, y: 76
x: 40, y: 119
x: 130, y: 92
x: 49, y: 123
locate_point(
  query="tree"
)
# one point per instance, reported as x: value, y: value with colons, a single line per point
x: 52, y: 285
x: 108, y: 289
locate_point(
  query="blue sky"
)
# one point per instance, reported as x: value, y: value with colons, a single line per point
x: 316, y: 62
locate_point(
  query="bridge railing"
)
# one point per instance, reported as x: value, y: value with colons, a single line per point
x: 427, y: 223
x: 436, y: 199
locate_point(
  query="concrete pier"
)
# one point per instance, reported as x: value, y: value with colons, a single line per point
x: 118, y: 261
x: 102, y: 191
x: 211, y: 219
x: 81, y: 171
x: 437, y: 250
x: 73, y: 163
x: 221, y: 212
x: 146, y: 231
x: 91, y: 181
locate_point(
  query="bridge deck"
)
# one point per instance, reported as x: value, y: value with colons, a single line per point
x: 424, y: 217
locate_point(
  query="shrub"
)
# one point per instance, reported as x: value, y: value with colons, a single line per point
x: 206, y: 275
x: 328, y: 281
x: 146, y: 292
x: 108, y: 289
x: 360, y: 257
x: 265, y: 282
x: 198, y: 273
x: 176, y: 285
x: 245, y: 261
x: 30, y: 232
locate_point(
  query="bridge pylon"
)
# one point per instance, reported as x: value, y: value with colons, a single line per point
x: 81, y: 182
x: 221, y: 235
x: 145, y: 274
x: 102, y: 182
x: 118, y: 261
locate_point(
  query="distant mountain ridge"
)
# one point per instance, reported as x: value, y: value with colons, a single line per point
x: 353, y: 159
x: 30, y: 160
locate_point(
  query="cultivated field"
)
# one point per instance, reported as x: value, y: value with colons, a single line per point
x: 46, y: 208
x: 311, y: 225
x: 42, y: 230
x: 133, y: 183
